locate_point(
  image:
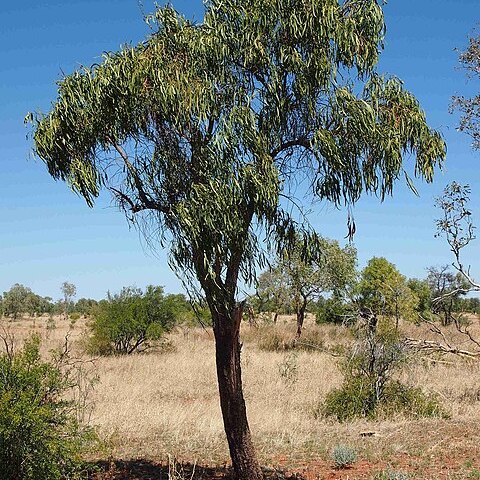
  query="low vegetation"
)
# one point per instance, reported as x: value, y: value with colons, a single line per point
x: 40, y: 436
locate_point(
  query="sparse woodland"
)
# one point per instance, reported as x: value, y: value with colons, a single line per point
x: 205, y: 134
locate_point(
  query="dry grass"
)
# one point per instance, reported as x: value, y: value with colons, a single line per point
x: 155, y: 404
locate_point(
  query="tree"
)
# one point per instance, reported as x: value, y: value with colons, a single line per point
x: 447, y: 287
x: 455, y: 225
x: 129, y: 320
x: 470, y: 107
x: 69, y: 290
x: 14, y: 301
x: 201, y: 129
x: 383, y: 290
x: 273, y: 293
x: 330, y: 270
x: 421, y: 289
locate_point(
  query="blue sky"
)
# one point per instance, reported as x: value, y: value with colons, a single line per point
x: 48, y: 235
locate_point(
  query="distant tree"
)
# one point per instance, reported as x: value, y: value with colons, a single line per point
x: 15, y: 300
x: 273, y: 292
x: 85, y: 306
x: 383, y: 290
x: 69, y: 290
x: 206, y: 129
x: 128, y: 321
x: 470, y: 107
x: 447, y: 289
x: 329, y: 270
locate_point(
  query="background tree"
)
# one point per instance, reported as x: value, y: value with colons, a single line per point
x: 330, y: 270
x: 273, y: 293
x: 14, y: 301
x: 422, y: 291
x: 69, y: 290
x: 129, y: 320
x: 383, y: 290
x: 455, y: 225
x: 202, y: 127
x: 470, y: 107
x: 446, y: 288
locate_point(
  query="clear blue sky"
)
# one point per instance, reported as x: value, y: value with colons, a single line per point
x: 48, y: 235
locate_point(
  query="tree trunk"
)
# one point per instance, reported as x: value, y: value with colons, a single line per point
x: 227, y: 350
x: 301, y: 317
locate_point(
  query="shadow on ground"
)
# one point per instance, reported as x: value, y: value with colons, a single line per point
x: 148, y: 470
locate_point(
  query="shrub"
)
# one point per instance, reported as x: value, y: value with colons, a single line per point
x: 40, y: 438
x: 369, y: 388
x: 357, y: 398
x: 344, y: 456
x: 391, y: 475
x: 129, y: 321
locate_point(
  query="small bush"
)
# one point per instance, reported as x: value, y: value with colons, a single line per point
x: 40, y: 438
x: 356, y: 398
x: 74, y: 316
x: 391, y: 475
x: 369, y: 389
x: 344, y: 456
x: 288, y: 369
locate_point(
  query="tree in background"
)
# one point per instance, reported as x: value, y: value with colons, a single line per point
x: 446, y: 288
x: 273, y: 293
x: 470, y: 107
x: 201, y: 129
x: 85, y: 306
x: 383, y: 290
x: 330, y: 270
x: 128, y: 321
x: 14, y: 301
x: 69, y: 290
x: 422, y: 291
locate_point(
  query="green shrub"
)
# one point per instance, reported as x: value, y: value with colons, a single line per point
x: 369, y: 389
x: 344, y: 456
x: 391, y: 475
x: 40, y: 438
x: 129, y: 321
x: 357, y: 398
x: 74, y: 316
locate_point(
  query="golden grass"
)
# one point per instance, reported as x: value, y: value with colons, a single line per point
x: 155, y: 404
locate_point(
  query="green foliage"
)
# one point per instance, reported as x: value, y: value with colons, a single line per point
x: 329, y: 269
x: 383, y: 290
x: 333, y: 310
x: 369, y: 389
x: 128, y: 321
x: 85, y: 306
x: 226, y: 115
x: 40, y: 438
x: 344, y: 456
x: 21, y: 300
x: 421, y: 289
x: 356, y: 398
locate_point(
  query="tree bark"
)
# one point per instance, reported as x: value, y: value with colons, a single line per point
x: 301, y: 317
x: 227, y: 349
